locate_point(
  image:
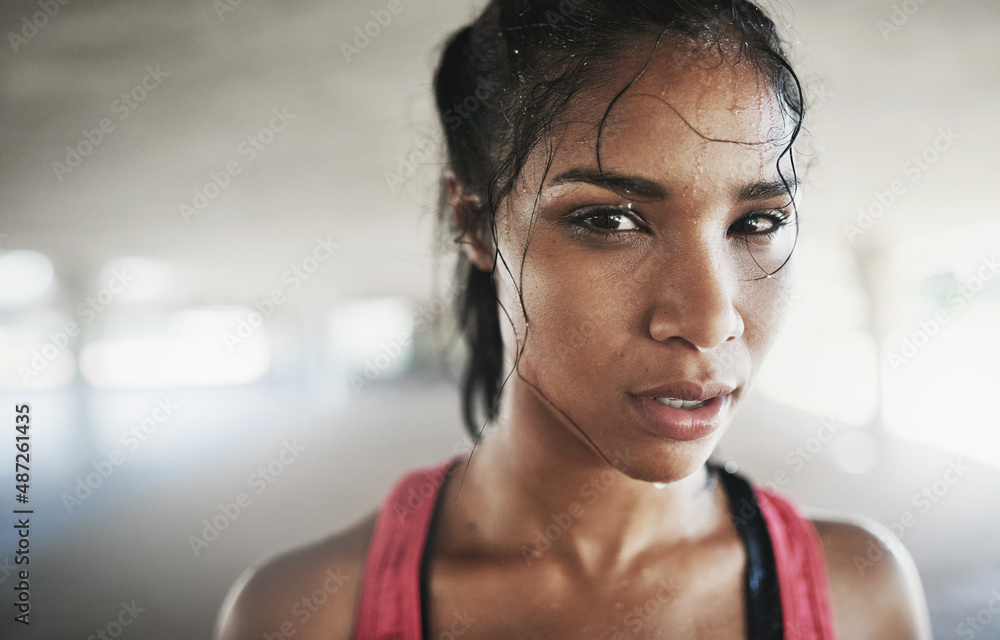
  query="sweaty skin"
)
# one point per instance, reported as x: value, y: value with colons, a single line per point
x: 667, y: 279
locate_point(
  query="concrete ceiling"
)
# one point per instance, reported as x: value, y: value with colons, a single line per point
x: 880, y: 98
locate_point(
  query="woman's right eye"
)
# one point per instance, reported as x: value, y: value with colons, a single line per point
x: 605, y: 220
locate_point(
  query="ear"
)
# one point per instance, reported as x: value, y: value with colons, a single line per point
x: 467, y: 219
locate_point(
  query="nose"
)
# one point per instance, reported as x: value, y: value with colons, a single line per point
x: 694, y: 300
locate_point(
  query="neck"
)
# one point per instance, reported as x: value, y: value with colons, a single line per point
x: 535, y: 483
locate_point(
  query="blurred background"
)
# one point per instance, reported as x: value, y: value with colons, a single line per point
x: 217, y: 276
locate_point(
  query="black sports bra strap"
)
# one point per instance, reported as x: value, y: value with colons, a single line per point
x: 764, y: 620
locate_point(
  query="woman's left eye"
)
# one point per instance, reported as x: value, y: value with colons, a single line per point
x: 607, y: 220
x: 762, y: 223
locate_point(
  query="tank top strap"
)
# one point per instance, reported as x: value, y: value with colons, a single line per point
x: 389, y: 606
x: 761, y: 577
x: 788, y: 591
x: 801, y: 565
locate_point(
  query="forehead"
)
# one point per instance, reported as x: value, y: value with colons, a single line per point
x: 688, y: 115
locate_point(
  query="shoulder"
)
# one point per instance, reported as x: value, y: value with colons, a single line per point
x: 874, y: 584
x: 309, y: 592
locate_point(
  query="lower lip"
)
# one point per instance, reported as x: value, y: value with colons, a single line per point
x: 678, y: 424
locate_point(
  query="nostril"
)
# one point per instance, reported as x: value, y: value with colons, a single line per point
x: 703, y: 329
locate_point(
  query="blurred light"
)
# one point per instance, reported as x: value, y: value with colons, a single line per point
x: 825, y: 361
x: 33, y: 360
x: 832, y: 373
x: 945, y: 394
x: 374, y: 337
x: 856, y: 452
x: 25, y: 277
x: 192, y: 350
x: 154, y: 279
x: 945, y: 252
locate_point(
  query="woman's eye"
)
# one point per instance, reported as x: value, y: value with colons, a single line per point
x: 762, y: 223
x: 606, y: 219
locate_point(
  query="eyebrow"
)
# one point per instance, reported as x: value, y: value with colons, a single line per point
x: 768, y: 190
x: 612, y: 181
x: 645, y: 188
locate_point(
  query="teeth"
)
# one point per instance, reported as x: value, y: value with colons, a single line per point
x: 679, y: 404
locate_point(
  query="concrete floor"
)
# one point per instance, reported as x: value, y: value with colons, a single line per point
x: 129, y: 541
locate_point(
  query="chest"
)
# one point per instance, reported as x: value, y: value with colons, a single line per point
x: 698, y: 596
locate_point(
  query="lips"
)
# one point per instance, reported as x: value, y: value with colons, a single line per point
x: 689, y: 391
x: 684, y: 410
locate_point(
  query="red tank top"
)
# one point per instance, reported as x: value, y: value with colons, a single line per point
x: 390, y: 600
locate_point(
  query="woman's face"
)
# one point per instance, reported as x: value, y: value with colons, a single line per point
x: 646, y: 286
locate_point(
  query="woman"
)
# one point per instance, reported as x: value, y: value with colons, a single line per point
x: 626, y: 206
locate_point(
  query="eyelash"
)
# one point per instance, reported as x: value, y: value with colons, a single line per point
x: 578, y: 219
x: 776, y: 216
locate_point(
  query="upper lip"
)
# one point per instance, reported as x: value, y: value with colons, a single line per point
x: 688, y: 390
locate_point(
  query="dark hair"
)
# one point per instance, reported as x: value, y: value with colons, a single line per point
x: 503, y: 80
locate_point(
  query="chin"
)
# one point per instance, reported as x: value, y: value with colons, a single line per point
x: 664, y: 462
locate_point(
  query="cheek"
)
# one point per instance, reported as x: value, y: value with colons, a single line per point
x: 765, y: 307
x: 579, y: 313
